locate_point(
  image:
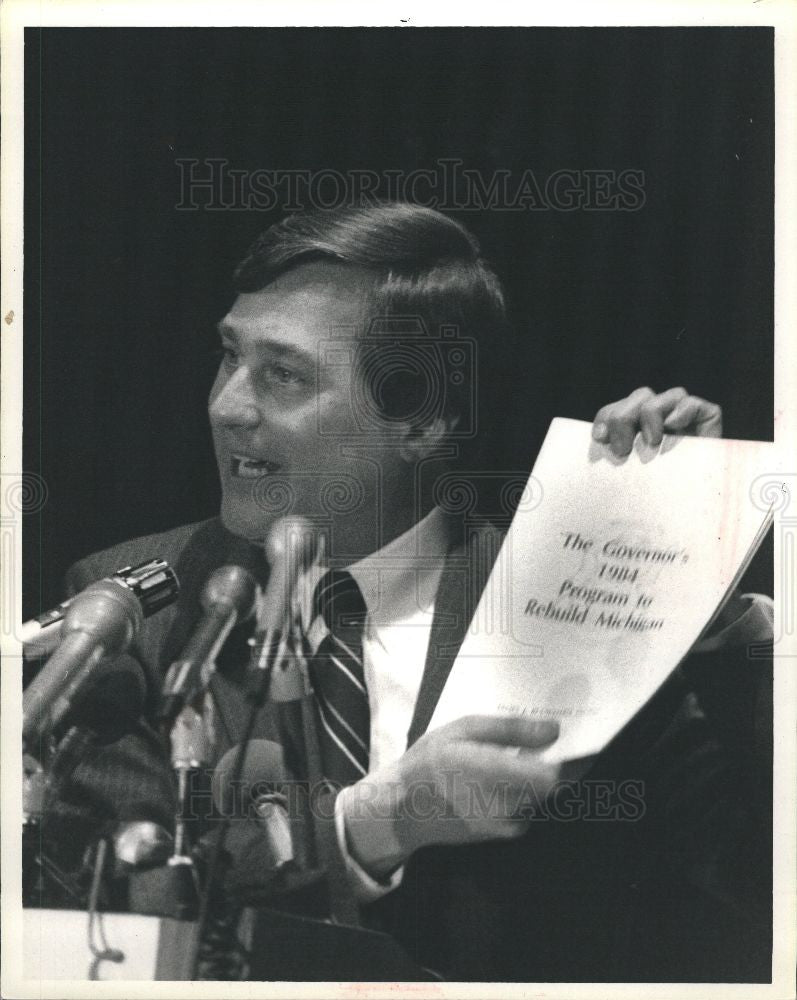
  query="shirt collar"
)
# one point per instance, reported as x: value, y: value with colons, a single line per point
x: 397, y: 580
x: 402, y: 576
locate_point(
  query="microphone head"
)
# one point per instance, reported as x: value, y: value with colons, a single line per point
x: 141, y: 844
x: 108, y: 611
x: 290, y: 548
x: 230, y: 586
x: 111, y: 704
x: 294, y: 539
x: 263, y: 767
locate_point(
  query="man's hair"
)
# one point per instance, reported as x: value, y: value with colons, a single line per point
x: 431, y: 288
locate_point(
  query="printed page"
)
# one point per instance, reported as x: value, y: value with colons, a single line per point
x: 609, y: 573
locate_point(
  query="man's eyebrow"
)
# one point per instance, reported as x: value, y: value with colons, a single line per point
x: 272, y: 345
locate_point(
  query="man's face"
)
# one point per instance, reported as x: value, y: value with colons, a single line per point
x: 281, y: 414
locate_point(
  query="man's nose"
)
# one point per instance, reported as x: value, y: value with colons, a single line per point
x: 234, y: 404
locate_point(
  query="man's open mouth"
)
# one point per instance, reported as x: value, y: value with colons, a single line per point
x: 251, y: 468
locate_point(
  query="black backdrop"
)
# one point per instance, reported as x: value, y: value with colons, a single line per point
x: 122, y: 288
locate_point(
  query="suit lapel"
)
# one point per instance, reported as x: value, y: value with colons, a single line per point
x: 465, y: 573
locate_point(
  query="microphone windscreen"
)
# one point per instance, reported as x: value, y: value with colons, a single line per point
x: 293, y: 539
x: 111, y: 704
x: 230, y: 586
x: 291, y: 546
x: 263, y: 766
x: 108, y: 611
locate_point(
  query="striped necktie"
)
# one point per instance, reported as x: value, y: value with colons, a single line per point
x: 338, y: 679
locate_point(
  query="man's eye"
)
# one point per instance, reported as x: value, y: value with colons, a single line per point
x: 286, y: 376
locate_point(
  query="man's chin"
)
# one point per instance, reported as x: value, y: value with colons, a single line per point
x: 253, y: 525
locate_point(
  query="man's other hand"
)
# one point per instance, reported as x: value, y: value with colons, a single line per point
x: 655, y: 414
x: 477, y: 778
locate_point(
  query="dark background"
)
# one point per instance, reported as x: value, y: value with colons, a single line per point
x: 122, y: 289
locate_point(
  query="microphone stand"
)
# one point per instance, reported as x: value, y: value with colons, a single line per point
x: 258, y: 699
x: 171, y: 886
x: 286, y: 680
x: 189, y: 753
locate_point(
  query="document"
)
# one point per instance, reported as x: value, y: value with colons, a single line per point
x: 609, y: 573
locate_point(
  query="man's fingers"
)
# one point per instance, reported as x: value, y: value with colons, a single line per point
x: 620, y: 406
x: 493, y: 768
x: 506, y: 730
x: 653, y: 412
x: 673, y: 411
x: 621, y: 421
x: 696, y: 415
x: 651, y: 422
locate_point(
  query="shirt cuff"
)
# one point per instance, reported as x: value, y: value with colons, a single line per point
x: 366, y: 888
x: 753, y: 626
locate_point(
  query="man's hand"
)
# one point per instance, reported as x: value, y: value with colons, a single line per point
x: 670, y: 412
x: 468, y: 781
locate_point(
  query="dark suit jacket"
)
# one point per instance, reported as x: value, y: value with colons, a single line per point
x: 602, y: 888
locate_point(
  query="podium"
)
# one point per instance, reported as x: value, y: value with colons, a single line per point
x: 55, y: 945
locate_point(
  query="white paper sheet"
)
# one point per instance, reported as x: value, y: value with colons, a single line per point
x: 610, y: 571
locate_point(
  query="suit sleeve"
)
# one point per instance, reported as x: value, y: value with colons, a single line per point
x: 704, y: 844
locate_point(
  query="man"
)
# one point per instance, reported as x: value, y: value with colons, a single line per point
x: 336, y: 399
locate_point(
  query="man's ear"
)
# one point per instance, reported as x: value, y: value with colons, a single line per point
x: 420, y: 442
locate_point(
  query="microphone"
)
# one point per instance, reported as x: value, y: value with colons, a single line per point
x: 291, y: 546
x: 153, y: 582
x: 227, y: 598
x: 101, y: 621
x: 260, y: 787
x: 141, y: 844
x: 105, y: 709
